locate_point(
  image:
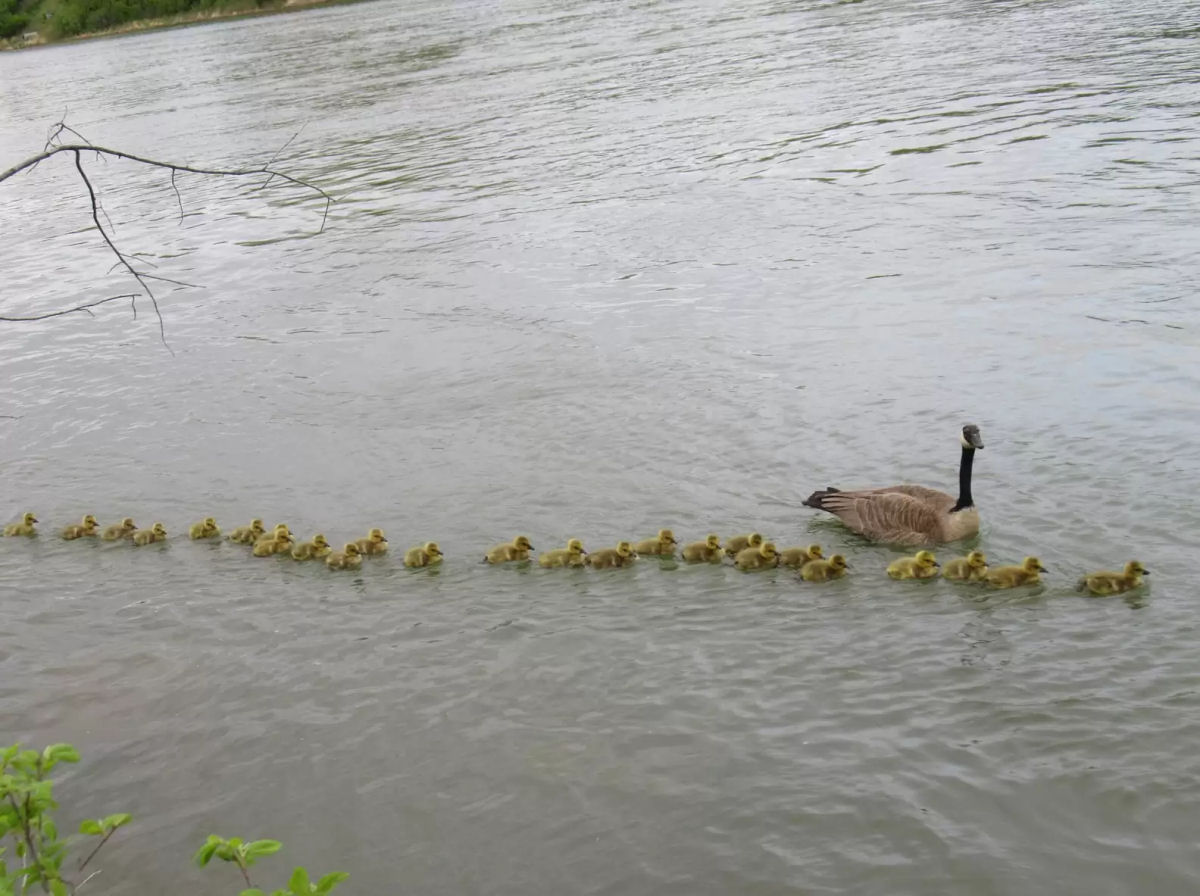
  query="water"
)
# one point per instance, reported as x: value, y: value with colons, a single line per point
x: 597, y: 268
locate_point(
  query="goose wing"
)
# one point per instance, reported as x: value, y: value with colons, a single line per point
x: 889, y: 516
x: 938, y: 500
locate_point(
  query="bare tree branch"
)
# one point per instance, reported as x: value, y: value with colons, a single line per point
x: 53, y: 147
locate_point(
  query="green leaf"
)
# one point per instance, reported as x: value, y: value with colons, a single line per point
x: 49, y: 829
x: 298, y: 882
x: 205, y: 853
x: 329, y: 881
x: 112, y: 822
x: 91, y: 827
x: 56, y: 753
x: 58, y: 888
x: 255, y: 892
x: 261, y: 848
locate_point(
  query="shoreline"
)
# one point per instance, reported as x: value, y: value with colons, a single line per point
x: 177, y: 21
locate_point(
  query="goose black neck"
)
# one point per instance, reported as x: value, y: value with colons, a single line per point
x: 964, y: 480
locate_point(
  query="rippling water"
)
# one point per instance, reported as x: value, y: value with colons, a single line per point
x: 596, y: 268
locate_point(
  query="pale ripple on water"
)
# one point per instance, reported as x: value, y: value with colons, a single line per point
x: 594, y: 269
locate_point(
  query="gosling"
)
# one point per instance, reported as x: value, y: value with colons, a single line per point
x: 1104, y: 582
x: 572, y: 555
x: 516, y: 550
x: 348, y: 557
x: 824, y: 570
x: 206, y: 528
x: 27, y: 526
x: 117, y: 531
x: 157, y: 532
x: 312, y: 550
x: 765, y: 556
x: 622, y: 555
x: 739, y: 543
x: 1015, y: 576
x: 278, y: 543
x: 707, y: 551
x: 248, y: 534
x: 923, y: 566
x: 661, y: 546
x: 971, y: 568
x: 424, y: 555
x: 795, y: 558
x: 374, y: 543
x: 86, y: 528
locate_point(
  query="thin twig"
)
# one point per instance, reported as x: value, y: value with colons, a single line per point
x: 242, y: 868
x: 84, y: 307
x: 91, y: 854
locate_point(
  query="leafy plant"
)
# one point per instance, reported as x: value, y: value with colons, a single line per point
x: 26, y: 818
x: 244, y: 855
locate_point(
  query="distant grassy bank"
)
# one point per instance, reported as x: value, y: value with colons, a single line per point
x: 27, y: 23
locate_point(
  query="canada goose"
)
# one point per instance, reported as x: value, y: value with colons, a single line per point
x: 764, y: 556
x: 910, y: 514
x: 117, y: 531
x: 1105, y: 582
x: 971, y: 568
x: 25, y: 527
x: 206, y: 528
x: 1014, y: 576
x: 312, y: 550
x: 707, y: 551
x: 374, y: 543
x: 622, y: 555
x: 248, y: 534
x: 662, y: 545
x: 423, y: 555
x: 797, y: 557
x: 572, y: 555
x: 349, y: 557
x: 739, y: 543
x: 923, y: 566
x: 518, y: 549
x: 279, y: 542
x: 85, y: 528
x: 157, y: 532
x: 824, y: 570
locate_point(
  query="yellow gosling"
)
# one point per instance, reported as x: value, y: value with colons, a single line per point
x: 923, y: 566
x: 312, y: 550
x: 1105, y: 582
x: 117, y: 531
x: 765, y: 556
x: 824, y: 570
x: 424, y: 555
x: 663, y: 545
x: 795, y: 558
x: 206, y: 528
x: 86, y: 528
x: 1015, y: 576
x: 373, y: 544
x: 707, y: 551
x: 27, y: 526
x: 516, y: 550
x: 349, y: 557
x: 248, y: 534
x: 622, y: 555
x: 157, y: 532
x: 572, y: 555
x: 739, y: 543
x: 279, y: 543
x: 971, y: 568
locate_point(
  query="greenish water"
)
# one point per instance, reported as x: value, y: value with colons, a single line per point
x: 597, y: 269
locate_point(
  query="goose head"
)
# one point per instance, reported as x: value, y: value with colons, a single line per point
x: 666, y: 535
x: 1134, y: 569
x: 977, y: 560
x: 522, y: 543
x: 926, y: 560
x: 1033, y: 564
x: 971, y: 438
x: 432, y: 549
x: 575, y: 546
x: 351, y: 550
x: 837, y: 561
x: 159, y: 530
x: 713, y: 542
x: 28, y: 519
x: 319, y: 541
x: 89, y: 522
x: 754, y: 540
x: 624, y: 549
x: 767, y: 550
x: 813, y: 551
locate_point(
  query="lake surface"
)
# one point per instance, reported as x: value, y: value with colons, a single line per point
x: 597, y: 268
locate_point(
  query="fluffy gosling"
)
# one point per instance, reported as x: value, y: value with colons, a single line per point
x: 923, y: 566
x: 663, y: 545
x: 206, y: 528
x: 348, y: 557
x: 572, y: 555
x: 824, y: 570
x: 765, y: 556
x: 1105, y: 582
x: 278, y: 543
x: 622, y: 555
x: 739, y: 543
x: 707, y: 551
x: 423, y: 555
x: 795, y: 558
x: 374, y: 543
x: 971, y: 568
x: 248, y: 534
x: 117, y: 531
x: 1015, y: 576
x: 85, y: 528
x: 312, y: 550
x: 516, y: 550
x: 27, y: 526
x: 157, y: 532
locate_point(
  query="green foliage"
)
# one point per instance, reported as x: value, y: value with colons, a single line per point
x: 12, y: 19
x: 26, y: 819
x: 85, y: 16
x: 243, y: 854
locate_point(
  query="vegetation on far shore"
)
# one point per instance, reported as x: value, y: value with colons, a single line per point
x: 32, y: 22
